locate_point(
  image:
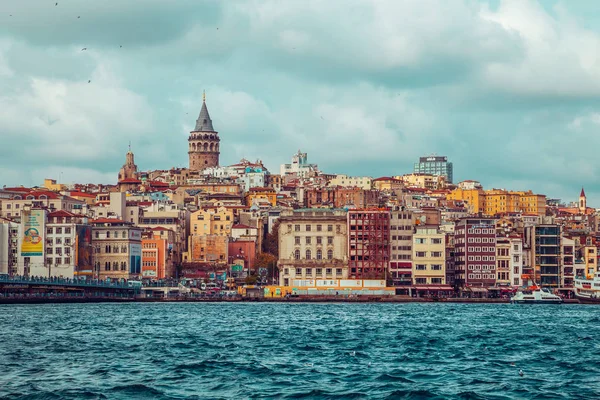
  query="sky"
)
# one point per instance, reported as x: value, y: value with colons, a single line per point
x: 509, y: 90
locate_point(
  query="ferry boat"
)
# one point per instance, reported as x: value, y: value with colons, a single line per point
x: 535, y: 295
x: 588, y: 290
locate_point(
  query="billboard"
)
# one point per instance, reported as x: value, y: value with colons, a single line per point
x: 135, y: 259
x: 32, y: 241
x: 83, y: 250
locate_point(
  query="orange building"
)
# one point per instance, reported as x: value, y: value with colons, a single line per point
x: 155, y: 255
x: 258, y: 193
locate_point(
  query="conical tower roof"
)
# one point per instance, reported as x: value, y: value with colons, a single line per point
x: 582, y: 194
x: 204, y: 123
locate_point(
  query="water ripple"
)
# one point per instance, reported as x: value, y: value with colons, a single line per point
x: 299, y: 351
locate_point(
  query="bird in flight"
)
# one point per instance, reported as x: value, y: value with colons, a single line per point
x: 56, y: 4
x: 85, y: 48
x: 89, y: 81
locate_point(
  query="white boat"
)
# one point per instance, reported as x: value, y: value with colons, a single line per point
x: 588, y: 290
x: 535, y: 295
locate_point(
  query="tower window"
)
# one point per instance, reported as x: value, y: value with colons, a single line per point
x: 205, y: 161
x: 204, y: 121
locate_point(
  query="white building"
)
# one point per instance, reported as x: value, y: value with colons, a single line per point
x: 363, y: 182
x: 299, y: 166
x: 9, y: 238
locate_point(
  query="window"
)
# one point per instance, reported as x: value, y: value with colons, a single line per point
x: 319, y: 255
x: 420, y: 240
x: 329, y: 228
x: 308, y: 228
x: 328, y: 271
x: 436, y: 254
x: 308, y: 271
x: 115, y: 234
x: 308, y: 240
x: 338, y: 271
x: 67, y: 260
x: 421, y: 281
x: 330, y: 254
x: 436, y: 281
x: 298, y: 271
x: 319, y: 271
x: 297, y: 228
x: 297, y: 255
x: 421, y: 253
x: 329, y: 239
x: 107, y: 266
x: 124, y: 234
x: 436, y: 267
x: 319, y: 228
x: 68, y: 231
x: 67, y: 241
x: 115, y: 265
x: 420, y: 267
x: 436, y: 241
x: 297, y: 240
x: 97, y: 235
x: 308, y: 255
x: 49, y: 231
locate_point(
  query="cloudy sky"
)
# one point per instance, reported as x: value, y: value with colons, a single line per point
x: 508, y: 90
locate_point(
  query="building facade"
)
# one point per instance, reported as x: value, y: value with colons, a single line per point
x: 312, y: 245
x: 368, y: 243
x: 402, y: 223
x: 117, y: 249
x: 435, y: 165
x: 475, y: 252
x: 429, y: 256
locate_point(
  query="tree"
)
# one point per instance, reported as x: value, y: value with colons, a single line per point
x: 271, y: 242
x: 267, y: 261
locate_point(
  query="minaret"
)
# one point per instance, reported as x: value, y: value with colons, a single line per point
x: 582, y: 202
x: 203, y: 143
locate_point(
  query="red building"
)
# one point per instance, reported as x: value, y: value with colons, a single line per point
x: 475, y: 252
x: 368, y: 243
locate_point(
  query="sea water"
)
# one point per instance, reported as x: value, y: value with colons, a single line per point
x: 286, y: 350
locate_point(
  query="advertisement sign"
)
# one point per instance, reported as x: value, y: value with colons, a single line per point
x: 32, y: 243
x: 83, y: 249
x: 135, y: 259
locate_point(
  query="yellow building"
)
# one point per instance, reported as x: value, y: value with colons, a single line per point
x: 212, y: 221
x: 51, y: 185
x: 474, y: 199
x: 425, y: 181
x: 429, y: 256
x: 261, y: 193
x: 499, y: 201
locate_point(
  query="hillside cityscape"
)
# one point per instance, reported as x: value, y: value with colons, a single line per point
x: 298, y: 227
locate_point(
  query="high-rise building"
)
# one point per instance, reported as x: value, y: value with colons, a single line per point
x: 368, y: 243
x: 475, y: 252
x: 203, y: 142
x: 434, y: 165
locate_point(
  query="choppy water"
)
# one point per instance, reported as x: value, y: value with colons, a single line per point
x: 211, y: 351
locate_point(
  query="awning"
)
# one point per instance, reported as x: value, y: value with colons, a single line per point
x: 432, y: 288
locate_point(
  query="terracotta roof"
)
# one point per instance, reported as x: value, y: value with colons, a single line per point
x: 157, y: 183
x: 386, y: 178
x: 242, y: 226
x: 18, y: 189
x: 130, y: 180
x: 38, y: 193
x: 261, y: 189
x: 62, y: 213
x: 82, y: 194
x: 108, y: 221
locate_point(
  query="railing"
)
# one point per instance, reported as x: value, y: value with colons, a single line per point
x: 23, y: 280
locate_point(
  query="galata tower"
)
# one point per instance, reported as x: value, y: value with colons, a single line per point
x: 203, y: 142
